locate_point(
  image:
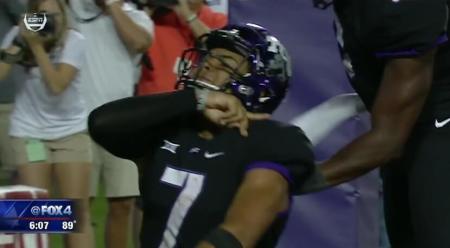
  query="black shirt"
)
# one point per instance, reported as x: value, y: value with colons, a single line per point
x: 372, y: 31
x: 187, y: 183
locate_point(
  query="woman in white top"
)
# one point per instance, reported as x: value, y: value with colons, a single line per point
x: 48, y: 122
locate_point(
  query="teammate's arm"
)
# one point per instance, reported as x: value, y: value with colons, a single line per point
x: 261, y: 197
x: 402, y: 94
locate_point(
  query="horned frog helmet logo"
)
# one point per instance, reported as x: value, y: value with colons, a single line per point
x: 35, y: 21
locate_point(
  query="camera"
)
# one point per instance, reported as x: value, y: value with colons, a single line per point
x: 41, y: 22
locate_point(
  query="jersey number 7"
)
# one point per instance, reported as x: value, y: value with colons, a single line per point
x: 191, y: 184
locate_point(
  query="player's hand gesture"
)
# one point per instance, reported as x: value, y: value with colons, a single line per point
x: 226, y: 110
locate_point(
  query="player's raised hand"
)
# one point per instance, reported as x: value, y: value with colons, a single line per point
x: 227, y: 110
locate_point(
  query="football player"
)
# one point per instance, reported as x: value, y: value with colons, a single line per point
x: 398, y: 60
x: 214, y: 171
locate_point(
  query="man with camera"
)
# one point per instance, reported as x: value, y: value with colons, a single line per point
x: 177, y: 24
x: 117, y: 35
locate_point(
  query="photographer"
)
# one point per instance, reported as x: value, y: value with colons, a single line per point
x: 177, y: 25
x: 117, y: 35
x: 48, y: 121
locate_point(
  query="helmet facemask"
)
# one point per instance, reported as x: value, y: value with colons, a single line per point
x: 264, y: 85
x: 195, y: 61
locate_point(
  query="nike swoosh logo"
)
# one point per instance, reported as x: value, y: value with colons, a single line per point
x: 440, y: 124
x: 213, y: 155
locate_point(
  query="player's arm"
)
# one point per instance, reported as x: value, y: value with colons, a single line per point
x: 261, y: 197
x: 402, y: 94
x: 128, y: 127
x: 135, y: 37
x: 408, y: 55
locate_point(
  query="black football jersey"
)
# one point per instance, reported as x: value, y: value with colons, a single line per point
x: 188, y: 183
x: 372, y: 31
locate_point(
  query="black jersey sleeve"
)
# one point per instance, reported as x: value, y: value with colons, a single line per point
x: 283, y: 148
x: 401, y: 28
x: 128, y: 127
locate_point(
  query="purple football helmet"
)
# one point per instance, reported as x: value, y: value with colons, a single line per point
x: 264, y: 86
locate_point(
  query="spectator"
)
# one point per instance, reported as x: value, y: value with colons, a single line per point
x: 48, y: 121
x: 176, y: 28
x: 117, y: 36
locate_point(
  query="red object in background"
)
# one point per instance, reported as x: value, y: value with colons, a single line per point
x: 28, y: 240
x: 172, y: 37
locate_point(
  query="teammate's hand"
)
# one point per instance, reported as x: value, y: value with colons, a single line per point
x: 226, y: 110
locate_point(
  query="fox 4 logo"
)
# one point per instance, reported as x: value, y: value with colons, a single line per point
x: 56, y: 210
x: 35, y: 21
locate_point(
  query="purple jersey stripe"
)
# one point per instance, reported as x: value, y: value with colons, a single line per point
x: 283, y: 172
x: 272, y: 166
x: 411, y: 52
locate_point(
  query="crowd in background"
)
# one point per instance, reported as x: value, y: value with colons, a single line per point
x: 92, y: 52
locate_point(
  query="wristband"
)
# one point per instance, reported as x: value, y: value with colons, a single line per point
x: 202, y: 96
x: 315, y: 182
x: 221, y: 238
x: 191, y: 18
